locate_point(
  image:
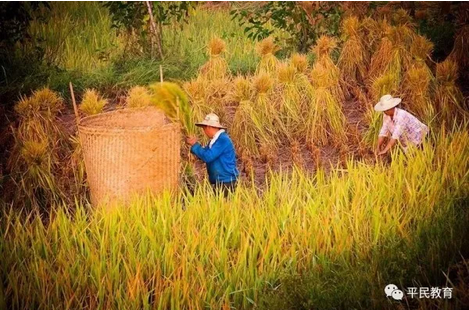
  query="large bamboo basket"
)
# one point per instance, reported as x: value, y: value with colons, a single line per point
x: 129, y: 152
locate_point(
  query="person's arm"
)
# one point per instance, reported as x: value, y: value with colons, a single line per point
x: 396, y: 135
x: 388, y: 146
x: 383, y: 134
x: 209, y: 154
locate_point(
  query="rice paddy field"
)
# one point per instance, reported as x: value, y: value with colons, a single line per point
x: 318, y: 221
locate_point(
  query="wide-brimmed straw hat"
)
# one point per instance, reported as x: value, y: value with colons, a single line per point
x: 387, y: 102
x: 211, y: 120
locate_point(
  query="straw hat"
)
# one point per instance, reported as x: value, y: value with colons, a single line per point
x: 387, y: 102
x: 211, y: 120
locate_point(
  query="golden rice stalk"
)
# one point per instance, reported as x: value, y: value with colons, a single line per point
x: 295, y: 149
x: 374, y: 121
x: 218, y: 92
x: 173, y: 101
x: 92, y: 103
x: 267, y: 49
x: 416, y: 91
x: 400, y: 36
x: 216, y: 47
x: 448, y: 96
x: 324, y: 46
x: 325, y: 121
x: 350, y: 27
x: 34, y: 153
x: 299, y: 62
x: 267, y: 153
x: 138, y: 96
x: 217, y: 66
x: 196, y: 89
x: 263, y: 83
x: 44, y: 101
x: 247, y: 128
x: 385, y: 84
x: 402, y: 17
x: 286, y: 73
x: 352, y: 61
x: 460, y: 52
x: 326, y: 74
x: 242, y: 90
x: 291, y: 100
x: 370, y: 34
x: 421, y: 48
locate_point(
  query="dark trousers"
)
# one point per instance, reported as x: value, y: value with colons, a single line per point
x: 225, y: 187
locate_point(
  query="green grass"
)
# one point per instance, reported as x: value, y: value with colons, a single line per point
x: 352, y: 232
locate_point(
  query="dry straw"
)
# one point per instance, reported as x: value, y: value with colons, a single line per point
x: 267, y: 49
x: 216, y: 67
x: 138, y: 96
x: 92, y: 102
x: 448, y: 96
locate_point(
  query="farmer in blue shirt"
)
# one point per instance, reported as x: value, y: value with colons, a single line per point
x: 219, y: 154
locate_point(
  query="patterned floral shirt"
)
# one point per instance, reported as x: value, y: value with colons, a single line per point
x: 403, y: 127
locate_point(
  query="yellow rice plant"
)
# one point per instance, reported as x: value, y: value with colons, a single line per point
x: 421, y: 48
x: 448, y: 96
x: 402, y: 18
x: 267, y: 105
x: 325, y: 73
x: 300, y: 63
x: 267, y: 49
x: 173, y: 101
x: 216, y: 252
x: 460, y: 52
x: 138, y: 96
x: 247, y: 129
x: 37, y: 156
x: 241, y: 90
x: 92, y: 102
x: 292, y: 101
x: 325, y: 120
x: 216, y: 67
x: 392, y: 56
x: 416, y: 92
x: 352, y: 59
x: 295, y: 149
x: 370, y: 34
x: 217, y: 92
x: 44, y: 102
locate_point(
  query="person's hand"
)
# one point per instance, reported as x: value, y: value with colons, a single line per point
x: 191, y: 140
x: 382, y: 152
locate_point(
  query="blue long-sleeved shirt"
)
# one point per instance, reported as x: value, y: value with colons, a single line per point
x: 220, y: 159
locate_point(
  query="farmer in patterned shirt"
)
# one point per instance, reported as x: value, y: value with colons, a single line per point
x: 400, y: 125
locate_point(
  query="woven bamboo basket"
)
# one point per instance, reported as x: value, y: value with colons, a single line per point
x: 129, y: 152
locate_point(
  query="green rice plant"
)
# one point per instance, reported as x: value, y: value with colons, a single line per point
x: 138, y: 96
x: 92, y: 102
x: 75, y: 36
x: 217, y: 253
x: 173, y: 101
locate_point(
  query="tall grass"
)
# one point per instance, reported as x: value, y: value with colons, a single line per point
x: 76, y: 35
x: 221, y: 253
